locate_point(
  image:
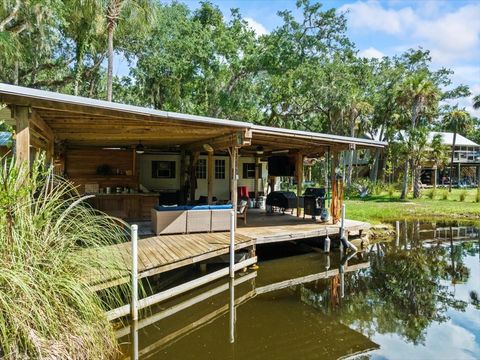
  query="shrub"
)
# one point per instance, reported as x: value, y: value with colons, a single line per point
x: 391, y: 190
x: 431, y: 194
x: 445, y: 195
x: 47, y: 309
x: 463, y: 195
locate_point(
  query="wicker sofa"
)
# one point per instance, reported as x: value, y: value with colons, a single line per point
x: 190, y: 219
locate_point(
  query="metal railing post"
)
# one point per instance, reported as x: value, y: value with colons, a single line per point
x: 134, y: 303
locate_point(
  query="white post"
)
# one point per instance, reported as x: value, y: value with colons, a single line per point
x: 134, y: 335
x: 233, y: 215
x: 134, y: 303
x: 342, y: 222
x: 232, y: 310
x: 397, y: 229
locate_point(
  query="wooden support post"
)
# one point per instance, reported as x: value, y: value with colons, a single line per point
x: 233, y: 178
x: 210, y: 175
x: 22, y: 137
x: 257, y: 175
x: 333, y: 180
x: 299, y: 176
x: 233, y: 216
x: 193, y: 175
x: 183, y: 169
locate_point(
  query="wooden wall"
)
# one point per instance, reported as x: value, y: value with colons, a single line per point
x: 81, y: 167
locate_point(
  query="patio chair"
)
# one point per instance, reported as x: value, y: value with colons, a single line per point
x: 242, y: 211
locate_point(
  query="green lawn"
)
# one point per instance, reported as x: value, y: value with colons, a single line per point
x: 384, y: 208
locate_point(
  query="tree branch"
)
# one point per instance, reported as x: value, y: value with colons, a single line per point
x: 12, y: 15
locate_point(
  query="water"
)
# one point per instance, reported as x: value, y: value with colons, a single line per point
x: 413, y: 297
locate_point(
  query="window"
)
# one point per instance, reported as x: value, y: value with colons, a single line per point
x: 219, y: 169
x: 201, y: 170
x: 163, y: 169
x: 249, y: 170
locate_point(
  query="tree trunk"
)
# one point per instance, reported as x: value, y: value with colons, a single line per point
x: 350, y: 155
x: 405, y: 180
x: 374, y: 170
x: 417, y: 185
x: 111, y: 28
x: 451, y: 160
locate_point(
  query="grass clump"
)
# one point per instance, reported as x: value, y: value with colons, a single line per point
x: 477, y: 195
x: 445, y: 195
x: 46, y: 307
x: 462, y: 196
x: 431, y: 194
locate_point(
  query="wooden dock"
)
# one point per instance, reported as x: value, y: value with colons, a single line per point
x: 159, y: 254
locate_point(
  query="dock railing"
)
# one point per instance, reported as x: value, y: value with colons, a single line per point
x: 139, y: 304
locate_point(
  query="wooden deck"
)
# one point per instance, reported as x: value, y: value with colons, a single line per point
x: 269, y: 228
x: 158, y: 254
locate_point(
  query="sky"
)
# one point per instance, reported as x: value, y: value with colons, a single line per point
x: 450, y: 29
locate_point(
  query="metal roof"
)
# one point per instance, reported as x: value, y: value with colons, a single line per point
x: 18, y: 95
x: 447, y: 139
x: 5, y: 138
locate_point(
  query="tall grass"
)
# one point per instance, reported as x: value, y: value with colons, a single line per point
x: 462, y: 196
x: 432, y: 194
x: 445, y: 195
x: 46, y: 307
x: 477, y: 195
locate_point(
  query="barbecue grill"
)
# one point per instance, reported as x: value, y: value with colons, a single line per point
x: 314, y: 202
x: 283, y: 200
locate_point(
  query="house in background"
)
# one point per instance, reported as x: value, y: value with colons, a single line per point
x: 466, y: 158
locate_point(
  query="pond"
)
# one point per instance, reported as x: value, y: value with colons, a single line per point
x: 414, y: 296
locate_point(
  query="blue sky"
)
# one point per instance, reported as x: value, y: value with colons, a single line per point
x: 450, y: 29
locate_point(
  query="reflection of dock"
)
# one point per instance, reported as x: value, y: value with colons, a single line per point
x: 308, y: 344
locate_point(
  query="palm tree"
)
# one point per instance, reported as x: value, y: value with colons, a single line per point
x: 438, y: 154
x: 421, y: 95
x: 139, y: 14
x: 458, y: 120
x: 476, y: 102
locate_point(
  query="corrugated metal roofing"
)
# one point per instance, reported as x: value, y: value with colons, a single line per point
x: 28, y: 96
x: 448, y: 139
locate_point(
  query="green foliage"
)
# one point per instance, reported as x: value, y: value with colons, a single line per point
x: 48, y: 238
x: 432, y: 193
x: 462, y: 196
x: 477, y: 195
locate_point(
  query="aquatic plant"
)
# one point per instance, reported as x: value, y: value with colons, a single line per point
x: 47, y: 234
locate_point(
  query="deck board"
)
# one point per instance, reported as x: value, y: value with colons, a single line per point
x: 161, y: 253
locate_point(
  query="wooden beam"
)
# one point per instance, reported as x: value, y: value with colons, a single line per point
x: 299, y: 176
x: 22, y: 137
x: 234, y: 178
x: 38, y: 122
x: 193, y: 174
x: 257, y: 175
x: 210, y: 175
x: 237, y: 139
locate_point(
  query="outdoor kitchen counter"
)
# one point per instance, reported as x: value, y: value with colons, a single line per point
x: 133, y: 206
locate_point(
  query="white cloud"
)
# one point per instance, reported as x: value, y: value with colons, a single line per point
x: 370, y: 53
x: 256, y: 26
x: 452, y: 36
x: 371, y: 15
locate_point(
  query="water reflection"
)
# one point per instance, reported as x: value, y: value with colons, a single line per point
x: 397, y: 298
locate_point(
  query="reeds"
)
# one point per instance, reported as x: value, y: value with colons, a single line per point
x: 46, y: 235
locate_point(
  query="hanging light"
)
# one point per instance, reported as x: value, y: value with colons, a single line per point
x: 139, y: 149
x: 259, y: 150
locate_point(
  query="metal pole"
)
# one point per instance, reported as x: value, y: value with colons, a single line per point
x: 232, y: 310
x: 134, y: 335
x: 397, y: 229
x: 134, y: 303
x: 232, y: 242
